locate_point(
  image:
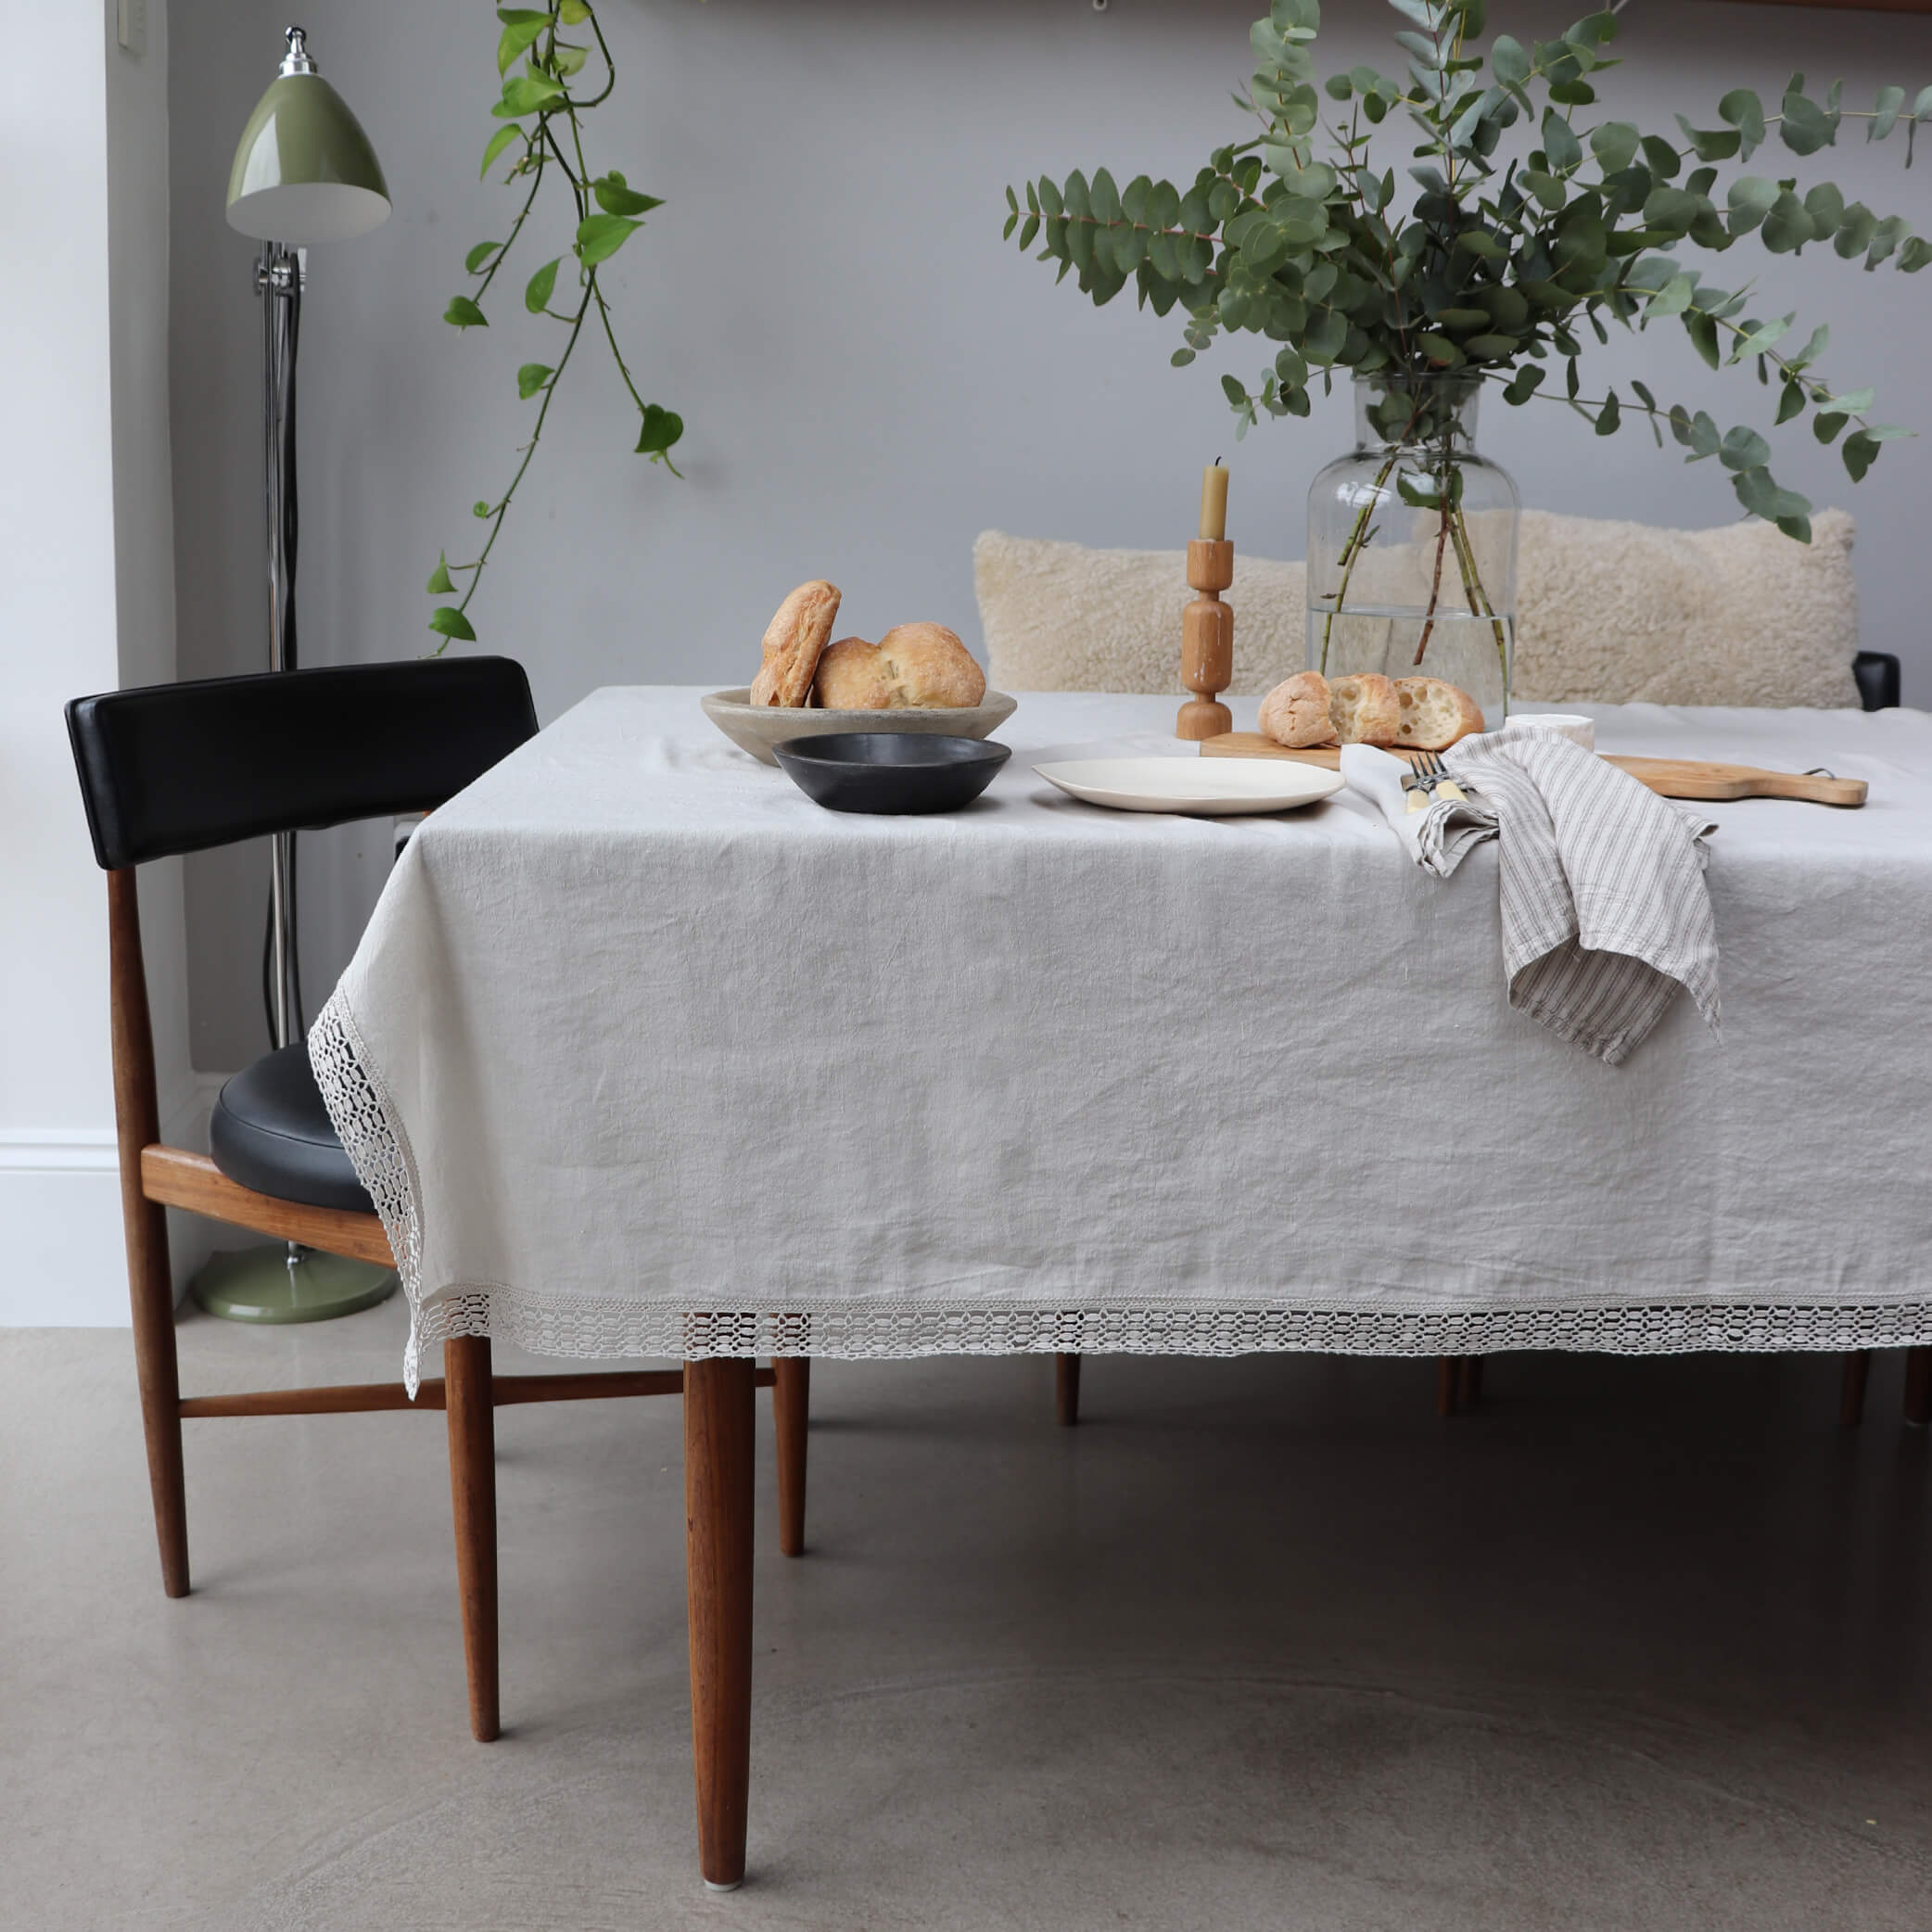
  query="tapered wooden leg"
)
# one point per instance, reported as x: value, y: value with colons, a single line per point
x: 1448, y: 1380
x: 472, y: 1417
x: 1066, y: 1390
x: 1918, y: 1386
x: 144, y: 1227
x: 791, y: 1408
x: 1851, y: 1387
x: 718, y: 1532
x: 1469, y: 1388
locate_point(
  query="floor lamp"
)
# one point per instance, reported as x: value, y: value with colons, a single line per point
x: 304, y: 173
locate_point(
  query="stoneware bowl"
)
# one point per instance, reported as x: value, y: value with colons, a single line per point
x: 890, y: 772
x: 756, y: 728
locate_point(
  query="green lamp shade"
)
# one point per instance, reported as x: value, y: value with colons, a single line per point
x: 305, y: 171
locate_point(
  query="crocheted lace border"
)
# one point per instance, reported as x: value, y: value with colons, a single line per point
x: 549, y: 1325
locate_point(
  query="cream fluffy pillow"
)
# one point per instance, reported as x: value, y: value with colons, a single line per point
x: 1607, y: 612
x: 1059, y: 616
x: 1617, y: 613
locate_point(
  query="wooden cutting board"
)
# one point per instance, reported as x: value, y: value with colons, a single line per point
x: 1674, y: 777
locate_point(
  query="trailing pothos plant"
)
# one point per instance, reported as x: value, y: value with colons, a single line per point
x: 1500, y: 263
x: 543, y: 132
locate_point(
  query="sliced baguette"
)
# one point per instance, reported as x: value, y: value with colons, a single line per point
x: 1432, y: 714
x: 1363, y: 708
x: 1295, y: 713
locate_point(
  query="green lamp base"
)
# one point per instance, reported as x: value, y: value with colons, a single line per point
x: 258, y: 1285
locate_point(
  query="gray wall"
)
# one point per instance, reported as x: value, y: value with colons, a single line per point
x: 868, y: 376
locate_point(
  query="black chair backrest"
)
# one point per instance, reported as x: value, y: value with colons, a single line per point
x: 1877, y: 675
x: 178, y: 767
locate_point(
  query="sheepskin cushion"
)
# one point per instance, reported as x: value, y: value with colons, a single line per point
x: 1059, y: 616
x: 1617, y: 613
x: 1607, y: 612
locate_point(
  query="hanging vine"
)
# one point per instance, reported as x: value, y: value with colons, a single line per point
x: 541, y: 109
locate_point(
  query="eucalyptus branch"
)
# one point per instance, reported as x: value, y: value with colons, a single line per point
x: 606, y: 212
x: 1502, y: 259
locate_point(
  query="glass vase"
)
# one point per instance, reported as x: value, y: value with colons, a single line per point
x: 1412, y: 544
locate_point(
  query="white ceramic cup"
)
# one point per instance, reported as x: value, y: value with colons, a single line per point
x: 1566, y: 724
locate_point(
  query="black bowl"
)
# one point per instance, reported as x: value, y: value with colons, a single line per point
x: 890, y: 772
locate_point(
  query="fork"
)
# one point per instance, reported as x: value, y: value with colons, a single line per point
x: 1433, y: 779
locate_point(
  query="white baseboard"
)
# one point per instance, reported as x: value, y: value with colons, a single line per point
x: 61, y: 1219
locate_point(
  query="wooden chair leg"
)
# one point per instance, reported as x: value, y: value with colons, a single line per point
x: 1448, y: 1380
x: 1919, y: 1387
x: 717, y: 1516
x: 145, y: 1225
x: 472, y: 1419
x: 1851, y: 1387
x: 1066, y: 1390
x: 1468, y: 1389
x: 790, y: 1409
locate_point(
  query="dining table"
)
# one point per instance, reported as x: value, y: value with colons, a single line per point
x: 643, y: 1053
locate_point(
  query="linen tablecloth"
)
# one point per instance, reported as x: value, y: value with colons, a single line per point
x: 644, y: 1053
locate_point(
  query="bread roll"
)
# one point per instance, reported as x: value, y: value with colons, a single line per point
x: 1296, y: 712
x: 795, y: 640
x: 1432, y: 714
x: 1363, y: 709
x: 914, y: 667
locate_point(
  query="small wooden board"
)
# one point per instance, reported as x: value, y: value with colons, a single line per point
x: 1673, y: 778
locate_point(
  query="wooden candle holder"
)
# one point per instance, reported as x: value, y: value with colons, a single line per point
x: 1207, y: 641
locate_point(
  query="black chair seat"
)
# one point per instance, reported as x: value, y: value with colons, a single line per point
x: 270, y: 1132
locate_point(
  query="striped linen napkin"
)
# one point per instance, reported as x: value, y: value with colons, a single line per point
x: 1605, y: 908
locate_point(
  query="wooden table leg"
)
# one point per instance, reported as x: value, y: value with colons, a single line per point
x: 1448, y: 1380
x: 1918, y: 1386
x: 1066, y: 1390
x: 472, y: 1421
x: 791, y: 1407
x: 1851, y: 1387
x: 718, y: 1433
x: 1469, y: 1392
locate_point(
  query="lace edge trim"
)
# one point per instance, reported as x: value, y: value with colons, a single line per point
x: 371, y: 1133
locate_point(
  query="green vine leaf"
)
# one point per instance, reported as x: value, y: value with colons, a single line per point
x: 660, y: 430
x: 463, y: 313
x: 601, y: 236
x: 439, y: 584
x: 615, y: 197
x: 526, y: 93
x: 531, y: 377
x: 567, y: 58
x: 477, y: 256
x: 451, y: 622
x: 573, y: 13
x: 498, y: 142
x: 540, y: 287
x: 521, y: 26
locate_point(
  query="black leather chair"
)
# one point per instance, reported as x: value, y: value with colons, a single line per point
x: 180, y: 768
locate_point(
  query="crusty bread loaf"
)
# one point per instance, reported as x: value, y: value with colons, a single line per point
x: 1296, y: 712
x: 914, y: 667
x: 1363, y: 708
x: 795, y: 640
x: 1433, y: 713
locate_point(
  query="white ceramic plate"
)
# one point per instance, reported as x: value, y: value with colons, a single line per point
x: 1216, y: 787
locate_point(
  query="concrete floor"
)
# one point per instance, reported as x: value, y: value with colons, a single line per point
x: 1263, y: 1644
